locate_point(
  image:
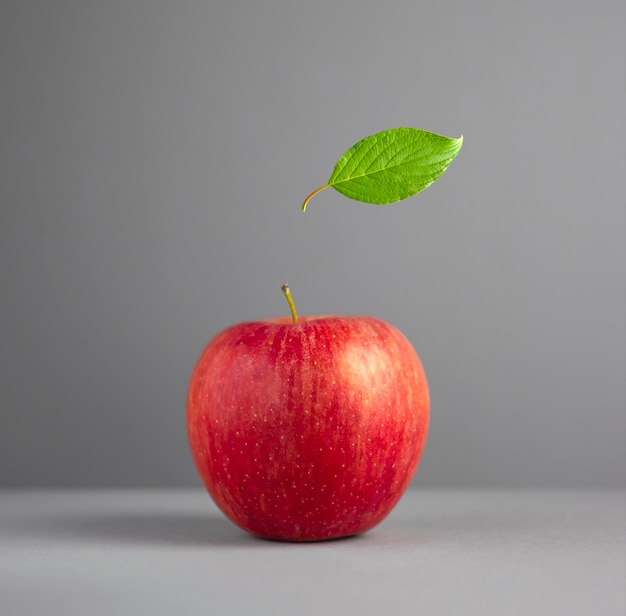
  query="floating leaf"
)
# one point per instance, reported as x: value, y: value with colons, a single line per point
x: 392, y: 165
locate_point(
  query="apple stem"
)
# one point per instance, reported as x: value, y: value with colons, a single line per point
x: 292, y: 306
x: 317, y: 190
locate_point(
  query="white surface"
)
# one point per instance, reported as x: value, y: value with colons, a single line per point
x: 160, y: 552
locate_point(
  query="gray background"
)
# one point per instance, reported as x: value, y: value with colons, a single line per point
x: 153, y: 158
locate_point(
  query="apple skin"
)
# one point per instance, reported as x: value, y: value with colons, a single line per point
x: 310, y: 430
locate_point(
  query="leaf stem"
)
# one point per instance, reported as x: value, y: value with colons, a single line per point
x: 292, y: 306
x: 317, y: 190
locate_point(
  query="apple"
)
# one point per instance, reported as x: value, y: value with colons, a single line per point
x: 307, y: 428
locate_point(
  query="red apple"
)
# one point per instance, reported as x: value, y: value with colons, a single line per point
x: 308, y: 430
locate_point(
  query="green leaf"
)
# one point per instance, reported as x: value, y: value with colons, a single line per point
x: 392, y: 165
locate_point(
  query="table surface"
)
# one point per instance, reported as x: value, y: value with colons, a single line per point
x: 439, y: 552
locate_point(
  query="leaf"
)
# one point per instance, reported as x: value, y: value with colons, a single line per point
x: 392, y: 165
